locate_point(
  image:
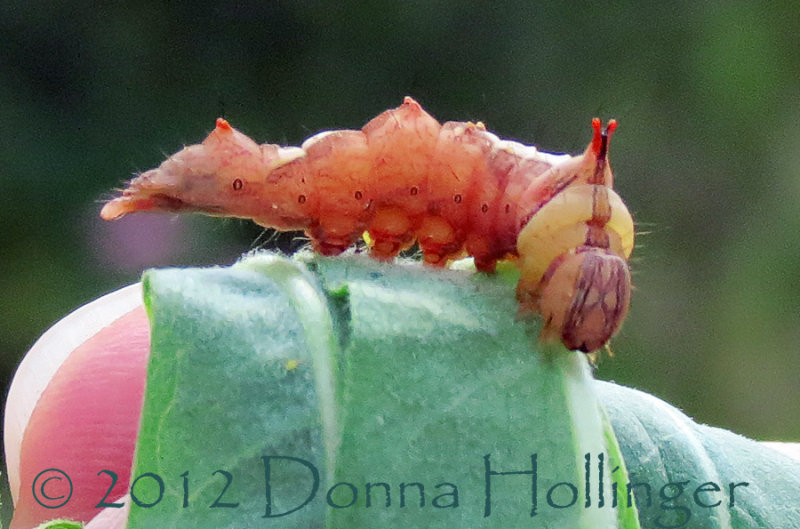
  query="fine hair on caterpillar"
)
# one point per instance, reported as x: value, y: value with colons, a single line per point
x: 454, y: 188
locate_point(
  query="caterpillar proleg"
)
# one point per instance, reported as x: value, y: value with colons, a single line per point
x: 454, y: 188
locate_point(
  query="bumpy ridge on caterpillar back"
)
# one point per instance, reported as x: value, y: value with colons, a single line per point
x: 454, y: 188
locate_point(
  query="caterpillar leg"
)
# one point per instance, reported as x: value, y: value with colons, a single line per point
x: 334, y: 235
x: 437, y: 240
x: 329, y: 247
x: 391, y: 232
x: 486, y: 265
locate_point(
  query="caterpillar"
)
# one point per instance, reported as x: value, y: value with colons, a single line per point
x: 454, y: 188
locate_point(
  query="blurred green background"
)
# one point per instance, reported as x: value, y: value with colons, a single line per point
x: 706, y: 156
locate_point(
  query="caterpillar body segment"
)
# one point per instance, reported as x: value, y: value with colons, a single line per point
x: 454, y: 188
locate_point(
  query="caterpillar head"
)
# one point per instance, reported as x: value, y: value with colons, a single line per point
x: 573, y: 252
x: 584, y: 297
x: 221, y: 176
x: 573, y: 274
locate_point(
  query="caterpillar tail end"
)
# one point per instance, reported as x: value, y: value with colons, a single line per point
x: 115, y: 209
x: 136, y: 197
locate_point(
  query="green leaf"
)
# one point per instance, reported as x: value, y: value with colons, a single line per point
x: 381, y: 377
x: 698, y: 466
x: 60, y: 524
x: 402, y: 379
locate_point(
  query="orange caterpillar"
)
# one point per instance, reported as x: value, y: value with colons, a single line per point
x: 455, y: 188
